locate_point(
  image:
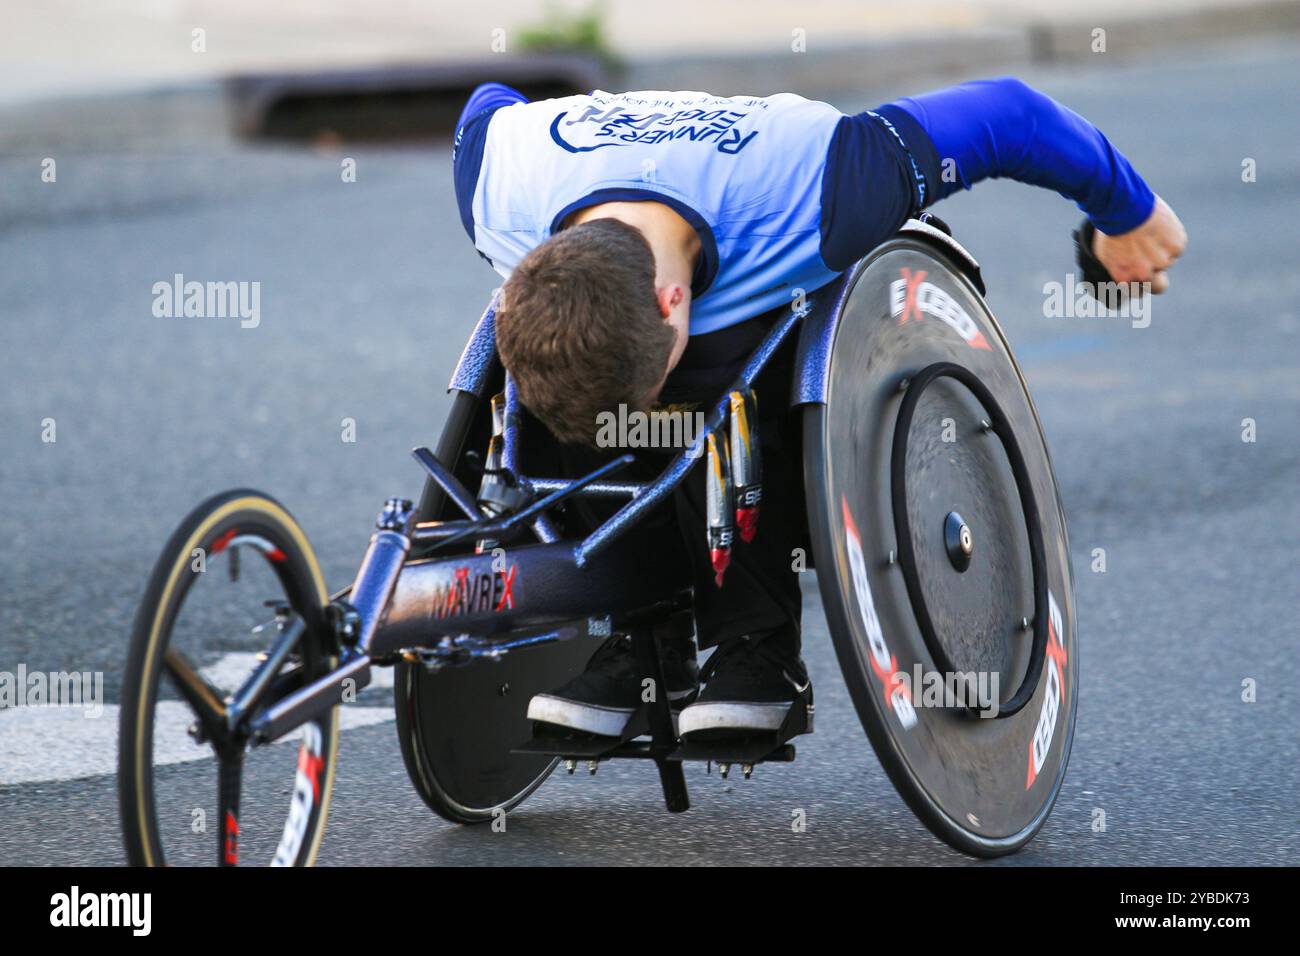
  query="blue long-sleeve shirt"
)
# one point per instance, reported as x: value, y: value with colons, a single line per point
x: 784, y: 192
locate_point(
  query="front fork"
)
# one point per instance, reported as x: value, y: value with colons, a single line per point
x: 357, y: 620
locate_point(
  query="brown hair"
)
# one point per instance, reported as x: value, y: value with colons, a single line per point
x: 579, y: 328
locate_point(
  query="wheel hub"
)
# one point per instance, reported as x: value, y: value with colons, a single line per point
x: 958, y: 540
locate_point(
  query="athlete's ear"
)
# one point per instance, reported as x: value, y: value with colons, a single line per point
x: 669, y: 296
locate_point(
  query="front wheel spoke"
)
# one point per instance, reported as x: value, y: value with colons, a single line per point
x: 263, y: 677
x: 229, y: 779
x: 203, y: 698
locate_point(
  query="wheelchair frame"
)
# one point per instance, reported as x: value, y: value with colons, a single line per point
x: 442, y: 611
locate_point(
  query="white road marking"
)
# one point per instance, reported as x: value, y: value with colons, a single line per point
x: 41, y: 744
x: 44, y: 744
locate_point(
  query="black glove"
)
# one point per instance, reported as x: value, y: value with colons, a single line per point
x: 1093, y: 271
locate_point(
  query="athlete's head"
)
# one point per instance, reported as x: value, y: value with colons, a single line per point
x: 581, y: 327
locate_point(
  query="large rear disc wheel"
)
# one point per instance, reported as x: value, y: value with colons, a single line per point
x: 941, y: 547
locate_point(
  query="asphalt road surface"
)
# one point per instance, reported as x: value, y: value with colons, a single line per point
x: 368, y: 292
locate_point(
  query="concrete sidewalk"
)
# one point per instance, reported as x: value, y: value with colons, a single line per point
x: 82, y: 51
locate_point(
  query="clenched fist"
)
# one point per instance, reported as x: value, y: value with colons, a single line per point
x: 1144, y: 254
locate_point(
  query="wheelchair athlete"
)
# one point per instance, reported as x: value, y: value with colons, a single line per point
x: 642, y: 234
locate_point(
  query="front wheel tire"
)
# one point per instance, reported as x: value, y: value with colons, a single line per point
x: 200, y: 633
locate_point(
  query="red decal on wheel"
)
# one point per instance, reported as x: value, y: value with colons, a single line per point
x: 1040, y: 742
x: 310, y: 764
x: 232, y: 839
x: 220, y: 544
x: 883, y: 661
x: 911, y: 284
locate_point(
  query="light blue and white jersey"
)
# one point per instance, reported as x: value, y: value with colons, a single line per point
x: 784, y: 192
x: 745, y: 171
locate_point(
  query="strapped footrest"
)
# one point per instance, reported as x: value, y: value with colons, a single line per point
x: 653, y: 719
x: 771, y: 747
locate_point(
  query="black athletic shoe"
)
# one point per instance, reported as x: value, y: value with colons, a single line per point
x: 749, y: 686
x: 603, y: 697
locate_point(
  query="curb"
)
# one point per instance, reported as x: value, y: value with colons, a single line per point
x: 1141, y: 33
x: 395, y: 101
x: 835, y: 68
x: 1037, y: 43
x: 126, y: 120
x: 424, y: 98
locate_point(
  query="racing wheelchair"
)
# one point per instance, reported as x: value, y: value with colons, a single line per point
x: 936, y: 531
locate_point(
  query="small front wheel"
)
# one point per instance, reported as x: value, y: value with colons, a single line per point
x: 233, y: 620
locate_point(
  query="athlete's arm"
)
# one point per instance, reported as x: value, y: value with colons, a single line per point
x: 1003, y: 127
x: 984, y: 129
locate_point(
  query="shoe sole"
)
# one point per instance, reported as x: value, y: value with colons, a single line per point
x: 733, y: 716
x: 587, y: 718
